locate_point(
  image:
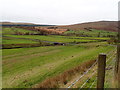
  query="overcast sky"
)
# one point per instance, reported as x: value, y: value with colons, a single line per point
x: 59, y: 12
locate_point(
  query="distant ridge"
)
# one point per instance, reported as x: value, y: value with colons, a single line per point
x: 100, y: 25
x: 21, y: 24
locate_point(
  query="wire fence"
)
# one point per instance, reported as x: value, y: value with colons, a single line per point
x: 83, y: 74
x: 108, y: 63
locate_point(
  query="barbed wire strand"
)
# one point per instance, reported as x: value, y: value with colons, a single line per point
x: 110, y: 62
x: 93, y: 83
x: 110, y: 52
x: 110, y: 57
x: 83, y: 74
x: 87, y: 80
x: 108, y: 68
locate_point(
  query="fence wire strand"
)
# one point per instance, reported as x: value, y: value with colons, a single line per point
x: 83, y: 74
x: 110, y: 57
x: 110, y: 62
x: 93, y: 82
x: 87, y: 80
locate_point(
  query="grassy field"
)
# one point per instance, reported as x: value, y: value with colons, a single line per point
x: 10, y: 31
x: 26, y: 67
x: 16, y: 41
x: 75, y: 37
x: 61, y: 39
x: 92, y: 32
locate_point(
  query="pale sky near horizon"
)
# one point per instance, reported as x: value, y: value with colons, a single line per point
x: 58, y: 12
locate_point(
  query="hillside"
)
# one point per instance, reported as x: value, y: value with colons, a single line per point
x: 21, y: 24
x: 100, y: 25
x: 90, y: 29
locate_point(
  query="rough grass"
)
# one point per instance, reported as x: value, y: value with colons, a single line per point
x: 29, y: 66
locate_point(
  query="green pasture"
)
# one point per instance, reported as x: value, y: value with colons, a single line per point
x: 92, y: 33
x: 62, y: 39
x: 76, y: 37
x: 26, y: 67
x: 16, y: 41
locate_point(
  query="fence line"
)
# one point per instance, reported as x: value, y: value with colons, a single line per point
x: 106, y: 67
x: 96, y: 78
x: 90, y: 69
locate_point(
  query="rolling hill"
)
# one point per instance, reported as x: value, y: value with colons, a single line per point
x: 100, y: 25
x: 21, y: 24
x: 14, y: 23
x: 100, y: 28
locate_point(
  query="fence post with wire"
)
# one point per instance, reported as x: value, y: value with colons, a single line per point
x: 101, y: 70
x: 98, y: 69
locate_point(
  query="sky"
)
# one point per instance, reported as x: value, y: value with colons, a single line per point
x: 58, y: 12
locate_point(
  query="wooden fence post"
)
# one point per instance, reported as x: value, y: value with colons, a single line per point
x: 101, y: 71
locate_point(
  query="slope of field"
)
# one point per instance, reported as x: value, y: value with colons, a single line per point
x: 26, y: 67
